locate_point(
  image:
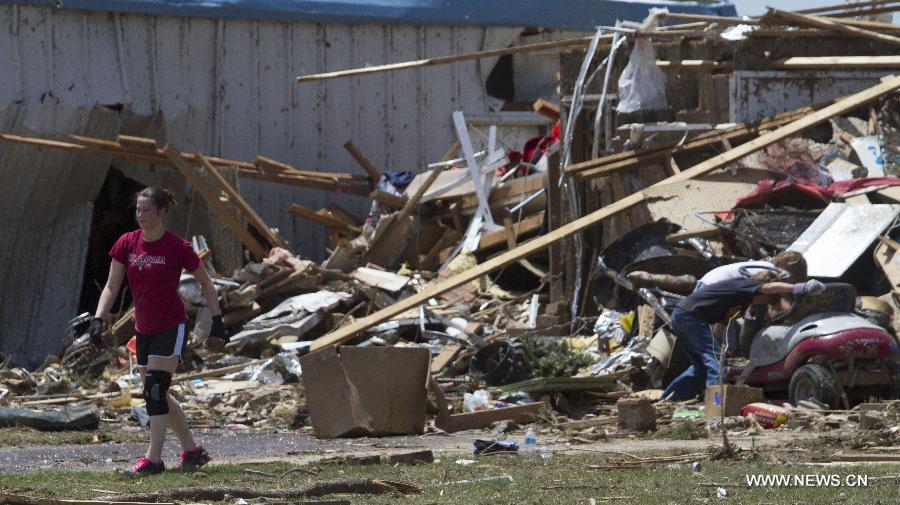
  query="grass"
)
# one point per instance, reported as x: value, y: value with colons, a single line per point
x: 563, y: 479
x: 26, y: 436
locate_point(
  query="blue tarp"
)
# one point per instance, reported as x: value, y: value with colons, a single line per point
x: 566, y: 14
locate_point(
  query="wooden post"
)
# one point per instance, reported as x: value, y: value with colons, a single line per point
x: 238, y: 201
x: 373, y: 174
x: 212, y: 199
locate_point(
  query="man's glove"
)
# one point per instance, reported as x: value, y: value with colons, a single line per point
x: 810, y: 287
x: 96, y: 333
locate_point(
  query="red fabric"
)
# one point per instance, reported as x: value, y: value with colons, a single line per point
x: 807, y: 195
x: 842, y: 187
x: 528, y: 154
x: 153, y: 270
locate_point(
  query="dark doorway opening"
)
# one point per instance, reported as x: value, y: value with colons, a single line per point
x: 113, y: 215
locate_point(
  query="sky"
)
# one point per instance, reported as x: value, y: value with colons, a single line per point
x: 754, y: 7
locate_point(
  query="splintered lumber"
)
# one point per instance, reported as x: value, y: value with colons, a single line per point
x: 372, y: 172
x: 822, y: 22
x: 837, y: 62
x: 238, y: 201
x: 391, y: 200
x: 317, y: 217
x: 527, y: 225
x: 212, y: 199
x: 264, y: 164
x: 309, y: 182
x: 547, y: 109
x: 842, y: 106
x: 443, y: 60
x: 613, y: 163
x: 843, y: 6
x: 137, y: 142
x: 410, y: 205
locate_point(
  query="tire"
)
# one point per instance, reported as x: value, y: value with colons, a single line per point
x: 814, y: 382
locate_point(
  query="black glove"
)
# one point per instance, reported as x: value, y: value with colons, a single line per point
x: 96, y: 333
x: 218, y: 328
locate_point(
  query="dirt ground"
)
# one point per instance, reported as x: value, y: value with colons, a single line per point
x: 240, y: 447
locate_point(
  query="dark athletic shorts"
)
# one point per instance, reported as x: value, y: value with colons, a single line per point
x: 165, y: 344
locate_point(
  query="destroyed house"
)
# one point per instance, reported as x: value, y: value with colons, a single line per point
x: 219, y: 78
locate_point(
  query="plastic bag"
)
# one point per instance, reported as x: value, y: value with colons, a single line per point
x: 642, y: 85
x: 479, y: 400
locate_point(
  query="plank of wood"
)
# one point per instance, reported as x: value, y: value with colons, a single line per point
x: 371, y: 171
x: 527, y: 225
x: 316, y: 217
x: 447, y: 354
x: 842, y: 6
x: 710, y: 232
x: 823, y: 22
x: 608, y: 165
x: 137, y: 142
x: 547, y: 109
x: 837, y: 62
x: 410, y: 204
x: 508, y: 189
x: 847, y: 104
x: 391, y: 200
x: 238, y: 201
x: 268, y: 163
x: 212, y: 200
x: 310, y: 182
x: 444, y: 60
x: 338, y: 212
x: 694, y: 64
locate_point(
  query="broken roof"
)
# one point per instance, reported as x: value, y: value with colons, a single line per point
x: 567, y: 14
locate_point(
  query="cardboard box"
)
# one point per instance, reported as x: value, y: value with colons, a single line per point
x: 733, y: 398
x: 636, y: 414
x: 366, y: 391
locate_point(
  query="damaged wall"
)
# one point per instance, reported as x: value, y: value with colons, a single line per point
x: 44, y: 227
x: 227, y: 88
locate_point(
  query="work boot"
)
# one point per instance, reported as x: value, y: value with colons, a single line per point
x: 195, y: 458
x: 145, y: 466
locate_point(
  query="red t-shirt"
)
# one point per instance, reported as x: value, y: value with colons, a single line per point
x: 153, y: 270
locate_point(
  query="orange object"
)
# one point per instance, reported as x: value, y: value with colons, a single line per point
x: 768, y: 416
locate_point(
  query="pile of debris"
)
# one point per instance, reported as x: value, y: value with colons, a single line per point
x: 412, y: 294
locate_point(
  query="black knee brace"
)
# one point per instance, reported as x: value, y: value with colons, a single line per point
x: 156, y: 388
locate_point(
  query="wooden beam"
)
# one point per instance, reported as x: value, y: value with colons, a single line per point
x: 528, y: 225
x: 391, y: 200
x: 212, y: 199
x: 547, y: 109
x: 694, y: 64
x: 822, y: 22
x: 310, y: 182
x: 316, y: 217
x: 268, y: 163
x: 238, y: 201
x: 444, y: 60
x: 607, y: 165
x: 508, y: 189
x: 843, y: 6
x: 371, y: 171
x: 847, y: 104
x: 140, y: 143
x: 837, y: 62
x: 721, y: 20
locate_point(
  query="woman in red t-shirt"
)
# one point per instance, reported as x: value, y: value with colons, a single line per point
x: 152, y: 258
